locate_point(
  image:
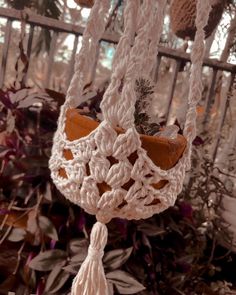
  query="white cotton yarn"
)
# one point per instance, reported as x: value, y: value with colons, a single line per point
x: 94, y: 284
x: 135, y: 54
x: 133, y: 57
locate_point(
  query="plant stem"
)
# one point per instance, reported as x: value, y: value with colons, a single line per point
x: 18, y: 258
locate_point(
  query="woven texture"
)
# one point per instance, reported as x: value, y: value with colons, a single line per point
x: 183, y: 15
x: 90, y: 163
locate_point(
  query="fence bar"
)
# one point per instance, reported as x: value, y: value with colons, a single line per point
x: 94, y: 69
x: 212, y: 63
x: 52, y: 24
x: 57, y: 25
x: 72, y: 61
x: 172, y: 87
x: 210, y: 96
x: 29, y: 49
x: 51, y: 58
x: 224, y: 108
x: 7, y: 38
x: 156, y: 71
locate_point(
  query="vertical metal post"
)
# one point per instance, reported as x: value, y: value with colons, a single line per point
x: 211, y: 96
x: 156, y: 72
x: 28, y: 52
x: 94, y: 69
x: 51, y: 58
x: 172, y: 87
x: 224, y: 108
x: 7, y: 38
x: 72, y: 60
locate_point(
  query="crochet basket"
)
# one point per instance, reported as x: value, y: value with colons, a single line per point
x: 183, y: 15
x: 164, y: 152
x: 109, y: 169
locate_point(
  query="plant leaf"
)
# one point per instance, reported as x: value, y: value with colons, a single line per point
x: 48, y: 228
x: 124, y: 282
x: 60, y: 281
x: 56, y: 279
x: 110, y: 288
x: 150, y: 229
x: 16, y: 235
x: 48, y: 193
x: 47, y: 260
x: 10, y: 122
x: 79, y: 258
x: 72, y: 268
x: 116, y: 258
x: 78, y: 245
x: 19, y: 95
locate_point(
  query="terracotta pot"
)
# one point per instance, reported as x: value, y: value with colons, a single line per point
x: 183, y: 14
x: 85, y: 3
x: 164, y: 152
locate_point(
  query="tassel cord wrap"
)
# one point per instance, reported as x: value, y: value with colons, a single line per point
x: 91, y: 279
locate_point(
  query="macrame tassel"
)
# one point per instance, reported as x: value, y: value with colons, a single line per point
x: 91, y: 279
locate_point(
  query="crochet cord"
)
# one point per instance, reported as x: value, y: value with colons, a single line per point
x: 195, y: 92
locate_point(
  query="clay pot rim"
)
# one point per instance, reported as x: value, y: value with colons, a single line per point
x: 159, y: 139
x: 155, y: 147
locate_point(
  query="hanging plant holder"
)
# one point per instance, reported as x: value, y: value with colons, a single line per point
x: 85, y: 3
x: 108, y: 168
x: 164, y: 152
x: 183, y: 14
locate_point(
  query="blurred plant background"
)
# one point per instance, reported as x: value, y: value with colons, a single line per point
x: 189, y: 249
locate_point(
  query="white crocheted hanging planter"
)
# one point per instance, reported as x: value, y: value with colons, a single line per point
x: 113, y: 171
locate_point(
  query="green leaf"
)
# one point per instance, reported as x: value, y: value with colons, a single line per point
x: 48, y: 228
x: 56, y: 279
x: 124, y: 282
x: 16, y: 235
x: 47, y: 260
x: 116, y: 258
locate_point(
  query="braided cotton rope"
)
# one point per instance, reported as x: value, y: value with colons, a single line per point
x: 120, y: 111
x: 195, y: 92
x: 85, y: 59
x: 155, y: 34
x: 135, y: 54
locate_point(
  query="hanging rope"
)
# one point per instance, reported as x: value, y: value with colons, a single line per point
x: 90, y: 164
x: 86, y: 57
x: 195, y: 92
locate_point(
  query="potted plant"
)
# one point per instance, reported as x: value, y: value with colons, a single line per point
x: 163, y: 150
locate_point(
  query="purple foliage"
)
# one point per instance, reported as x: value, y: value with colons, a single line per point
x: 54, y: 232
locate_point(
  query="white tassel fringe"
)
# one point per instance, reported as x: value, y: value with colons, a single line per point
x: 91, y: 279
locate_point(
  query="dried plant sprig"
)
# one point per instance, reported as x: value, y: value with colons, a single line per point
x: 144, y: 90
